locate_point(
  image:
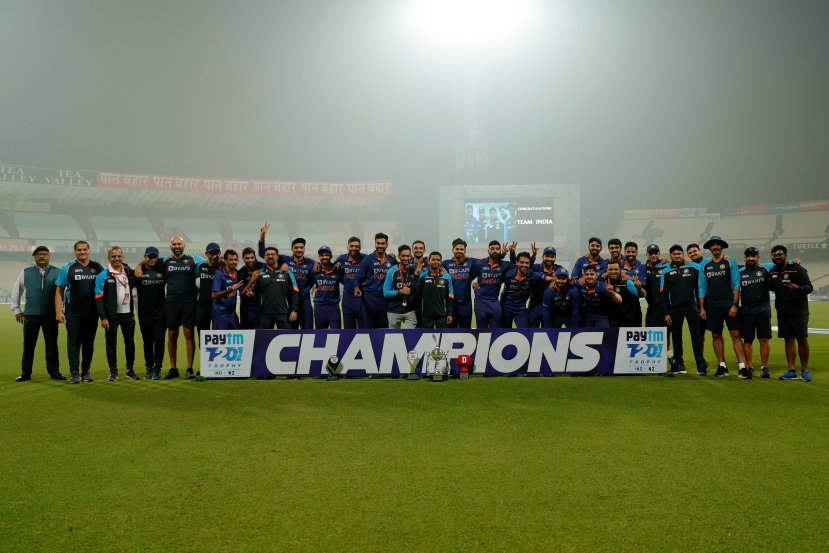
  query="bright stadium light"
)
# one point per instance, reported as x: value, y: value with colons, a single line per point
x: 469, y: 25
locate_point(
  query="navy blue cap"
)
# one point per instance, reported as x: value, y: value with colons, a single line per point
x: 40, y: 249
x: 715, y: 240
x: 213, y: 247
x: 325, y: 249
x: 151, y: 250
x: 675, y: 248
x: 751, y: 250
x: 652, y: 248
x: 561, y: 271
x: 550, y: 249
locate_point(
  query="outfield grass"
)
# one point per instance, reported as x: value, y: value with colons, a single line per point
x: 499, y: 464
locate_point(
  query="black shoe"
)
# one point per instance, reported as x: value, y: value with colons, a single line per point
x: 86, y: 377
x: 131, y: 375
x: 190, y: 374
x: 76, y: 378
x: 172, y: 373
x: 113, y: 376
x: 764, y: 372
x: 721, y: 371
x: 22, y: 378
x: 702, y: 364
x: 57, y: 376
x: 744, y: 373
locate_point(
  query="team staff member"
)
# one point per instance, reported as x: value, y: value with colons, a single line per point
x: 327, y: 282
x: 37, y: 285
x: 792, y: 287
x: 353, y: 316
x: 277, y: 292
x: 113, y: 299
x: 75, y: 285
x: 489, y: 275
x: 679, y: 284
x: 435, y: 294
x: 596, y: 298
x: 755, y: 311
x: 207, y: 271
x: 594, y: 248
x: 226, y: 285
x: 719, y: 299
x: 248, y: 306
x: 628, y: 313
x: 180, y: 274
x: 459, y: 268
x: 655, y: 315
x: 151, y: 300
x: 371, y: 276
x: 694, y: 253
x: 561, y: 302
x: 398, y: 287
x: 303, y: 268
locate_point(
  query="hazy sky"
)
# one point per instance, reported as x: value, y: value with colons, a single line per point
x: 653, y: 103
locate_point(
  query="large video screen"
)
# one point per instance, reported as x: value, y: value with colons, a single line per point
x: 523, y: 220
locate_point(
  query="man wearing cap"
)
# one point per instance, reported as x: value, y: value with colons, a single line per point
x: 792, y: 286
x: 151, y: 299
x: 113, y: 299
x: 180, y: 275
x: 459, y: 268
x: 207, y: 272
x: 679, y: 286
x: 547, y: 268
x: 755, y: 311
x: 719, y: 299
x: 594, y: 248
x: 327, y: 280
x: 398, y: 288
x: 37, y: 285
x: 75, y: 286
x: 561, y: 303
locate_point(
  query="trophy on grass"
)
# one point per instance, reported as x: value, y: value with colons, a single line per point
x: 334, y: 368
x: 438, y: 370
x: 413, y: 358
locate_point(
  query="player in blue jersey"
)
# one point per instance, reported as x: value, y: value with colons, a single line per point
x: 561, y: 303
x: 75, y: 286
x: 180, y: 274
x: 352, y: 305
x: 488, y: 275
x: 596, y: 298
x: 548, y: 268
x: 719, y: 300
x: 459, y: 268
x: 755, y: 311
x: 517, y: 282
x: 206, y: 272
x: 398, y: 288
x: 371, y: 275
x: 327, y: 280
x: 594, y: 248
x: 226, y: 285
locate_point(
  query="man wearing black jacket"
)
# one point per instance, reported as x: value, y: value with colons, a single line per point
x: 792, y: 287
x: 113, y: 299
x: 150, y: 286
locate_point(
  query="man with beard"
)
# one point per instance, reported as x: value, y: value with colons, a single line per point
x: 113, y: 300
x: 248, y: 306
x: 489, y: 275
x: 594, y: 248
x: 277, y: 292
x: 517, y: 282
x: 37, y: 285
x: 353, y: 316
x: 755, y: 311
x: 655, y: 315
x: 435, y: 294
x: 180, y: 274
x: 791, y: 286
x: 226, y: 285
x: 561, y: 303
x: 596, y: 299
x: 459, y: 268
x: 547, y: 268
x: 206, y: 270
x: 75, y: 285
x: 150, y: 287
x: 371, y: 276
x: 628, y: 313
x: 302, y: 268
x: 398, y: 286
x: 694, y: 255
x: 719, y: 299
x: 679, y: 285
x: 327, y: 279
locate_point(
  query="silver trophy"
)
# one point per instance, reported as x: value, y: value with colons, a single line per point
x: 438, y: 368
x: 413, y: 358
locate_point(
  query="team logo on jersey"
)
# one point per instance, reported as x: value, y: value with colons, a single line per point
x: 686, y: 271
x: 759, y: 273
x: 722, y: 265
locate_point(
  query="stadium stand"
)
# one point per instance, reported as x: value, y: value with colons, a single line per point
x: 124, y: 230
x: 634, y: 229
x: 807, y: 226
x: 38, y: 226
x: 246, y: 232
x: 757, y: 229
x: 678, y: 231
x: 324, y: 234
x: 197, y: 233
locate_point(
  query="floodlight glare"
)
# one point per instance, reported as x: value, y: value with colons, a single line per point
x: 470, y: 24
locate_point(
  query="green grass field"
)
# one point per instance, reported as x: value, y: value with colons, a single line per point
x: 498, y: 464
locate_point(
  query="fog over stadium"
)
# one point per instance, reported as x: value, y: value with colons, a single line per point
x: 643, y: 104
